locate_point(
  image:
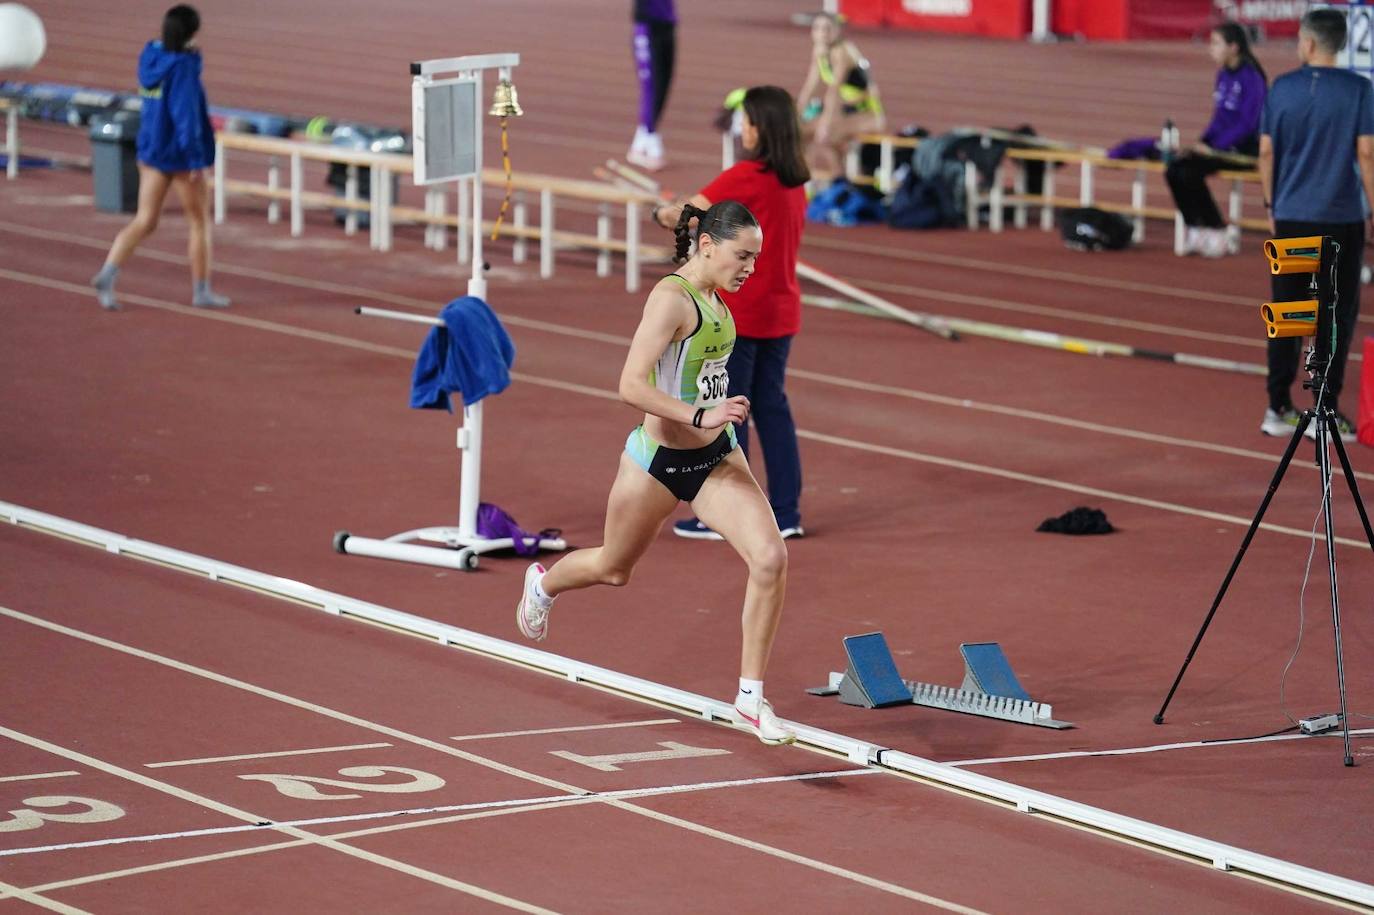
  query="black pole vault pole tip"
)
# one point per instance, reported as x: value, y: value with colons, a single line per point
x: 340, y: 537
x: 1159, y: 719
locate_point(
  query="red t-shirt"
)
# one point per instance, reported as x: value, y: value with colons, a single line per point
x: 769, y: 302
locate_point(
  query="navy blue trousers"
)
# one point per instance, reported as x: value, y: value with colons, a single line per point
x: 757, y: 367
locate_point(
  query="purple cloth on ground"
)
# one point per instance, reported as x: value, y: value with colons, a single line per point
x: 1135, y: 148
x: 495, y: 524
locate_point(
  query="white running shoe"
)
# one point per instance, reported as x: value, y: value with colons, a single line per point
x: 765, y: 724
x: 646, y: 152
x: 532, y: 613
x: 1280, y: 423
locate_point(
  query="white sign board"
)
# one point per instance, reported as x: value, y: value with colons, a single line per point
x: 444, y: 119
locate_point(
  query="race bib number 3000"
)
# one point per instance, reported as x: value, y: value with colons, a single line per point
x: 712, y: 382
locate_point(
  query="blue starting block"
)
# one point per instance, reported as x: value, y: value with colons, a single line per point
x: 871, y: 680
x: 990, y: 688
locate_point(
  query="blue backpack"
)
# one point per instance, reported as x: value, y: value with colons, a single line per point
x: 923, y: 203
x: 843, y: 204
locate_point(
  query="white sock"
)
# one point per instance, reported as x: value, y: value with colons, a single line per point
x: 539, y: 590
x: 750, y: 693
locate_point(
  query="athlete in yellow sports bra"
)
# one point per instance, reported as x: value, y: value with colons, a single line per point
x: 685, y: 450
x: 850, y: 104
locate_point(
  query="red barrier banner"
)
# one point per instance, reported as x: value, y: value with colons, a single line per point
x: 1109, y: 20
x: 999, y: 18
x: 1118, y: 20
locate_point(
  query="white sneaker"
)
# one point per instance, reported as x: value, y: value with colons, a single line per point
x: 1341, y: 427
x: 1276, y: 423
x: 532, y: 613
x: 1213, y: 243
x: 1192, y: 241
x: 647, y: 153
x: 765, y: 724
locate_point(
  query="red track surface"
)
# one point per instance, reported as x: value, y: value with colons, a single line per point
x: 250, y: 436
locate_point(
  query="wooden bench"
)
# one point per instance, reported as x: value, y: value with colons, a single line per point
x: 382, y: 209
x: 11, y: 138
x: 1088, y: 161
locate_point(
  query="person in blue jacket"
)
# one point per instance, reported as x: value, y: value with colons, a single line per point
x: 1239, y: 95
x: 175, y: 145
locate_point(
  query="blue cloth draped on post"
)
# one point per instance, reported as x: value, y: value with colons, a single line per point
x: 471, y: 354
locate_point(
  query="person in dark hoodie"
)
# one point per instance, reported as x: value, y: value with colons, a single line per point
x: 175, y: 144
x: 1239, y: 95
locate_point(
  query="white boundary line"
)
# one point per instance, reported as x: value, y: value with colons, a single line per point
x: 521, y: 803
x: 823, y: 866
x: 1219, y: 855
x: 235, y: 813
x: 32, y: 898
x: 568, y: 730
x: 24, y: 778
x: 1156, y: 748
x: 275, y: 753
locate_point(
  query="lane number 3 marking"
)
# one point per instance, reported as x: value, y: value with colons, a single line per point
x: 26, y: 818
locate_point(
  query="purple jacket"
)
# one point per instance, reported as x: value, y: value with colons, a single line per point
x: 1239, y: 97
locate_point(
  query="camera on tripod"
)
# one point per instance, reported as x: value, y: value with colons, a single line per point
x: 1313, y: 315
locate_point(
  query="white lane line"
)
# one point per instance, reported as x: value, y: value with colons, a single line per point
x: 25, y: 778
x: 871, y: 882
x: 220, y: 759
x: 289, y: 700
x: 1069, y: 487
x: 435, y: 745
x: 200, y: 800
x: 568, y: 730
x: 377, y: 295
x: 32, y: 898
x: 1157, y: 748
x: 566, y: 386
x: 1049, y: 418
x: 530, y: 803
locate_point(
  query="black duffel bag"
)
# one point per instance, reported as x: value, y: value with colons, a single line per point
x: 1091, y: 229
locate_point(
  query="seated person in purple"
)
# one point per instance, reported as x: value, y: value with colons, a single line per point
x: 1240, y: 89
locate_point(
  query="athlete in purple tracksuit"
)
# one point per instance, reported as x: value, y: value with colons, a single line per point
x: 1239, y: 95
x: 655, y: 27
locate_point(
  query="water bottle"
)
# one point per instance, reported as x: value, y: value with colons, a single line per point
x: 1168, y: 141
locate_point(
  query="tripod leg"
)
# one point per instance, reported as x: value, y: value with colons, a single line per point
x: 1325, y: 425
x: 1240, y: 554
x: 1354, y: 490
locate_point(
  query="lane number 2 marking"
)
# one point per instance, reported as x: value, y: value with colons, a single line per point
x: 302, y: 787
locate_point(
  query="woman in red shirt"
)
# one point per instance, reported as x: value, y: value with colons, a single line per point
x: 767, y: 309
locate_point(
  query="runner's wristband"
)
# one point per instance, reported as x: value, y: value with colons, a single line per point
x: 696, y: 420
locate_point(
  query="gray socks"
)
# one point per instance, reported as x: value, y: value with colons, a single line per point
x: 104, y: 283
x: 202, y: 297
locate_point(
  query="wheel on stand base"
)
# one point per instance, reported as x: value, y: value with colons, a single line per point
x: 469, y: 560
x: 339, y: 538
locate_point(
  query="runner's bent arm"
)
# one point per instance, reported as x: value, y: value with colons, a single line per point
x: 668, y: 315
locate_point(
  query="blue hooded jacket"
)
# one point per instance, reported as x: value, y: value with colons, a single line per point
x: 174, y: 134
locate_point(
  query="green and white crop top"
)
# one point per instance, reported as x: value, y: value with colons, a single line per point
x: 693, y: 369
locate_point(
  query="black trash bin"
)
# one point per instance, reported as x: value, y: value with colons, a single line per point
x: 114, y: 161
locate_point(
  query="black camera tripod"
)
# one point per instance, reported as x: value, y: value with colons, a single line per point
x: 1325, y: 419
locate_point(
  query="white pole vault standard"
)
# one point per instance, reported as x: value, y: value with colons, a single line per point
x: 463, y: 543
x: 1026, y: 800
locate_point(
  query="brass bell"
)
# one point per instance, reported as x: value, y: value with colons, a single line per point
x: 504, y: 102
